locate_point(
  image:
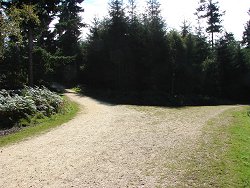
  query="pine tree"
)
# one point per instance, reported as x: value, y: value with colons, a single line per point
x: 118, y: 21
x: 227, y: 49
x: 153, y: 9
x: 185, y: 28
x: 132, y: 9
x: 97, y: 55
x: 68, y: 30
x: 47, y: 12
x: 199, y: 28
x: 153, y: 19
x: 155, y: 45
x: 68, y: 27
x: 246, y: 33
x: 118, y: 44
x: 177, y: 62
x: 211, y: 12
x: 136, y: 36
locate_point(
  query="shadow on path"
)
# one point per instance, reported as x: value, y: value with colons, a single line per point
x: 150, y: 98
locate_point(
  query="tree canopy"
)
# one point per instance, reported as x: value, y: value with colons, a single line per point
x: 125, y: 51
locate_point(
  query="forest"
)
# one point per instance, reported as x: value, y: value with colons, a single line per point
x: 133, y: 104
x: 126, y: 51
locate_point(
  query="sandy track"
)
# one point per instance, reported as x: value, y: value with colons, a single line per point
x: 109, y: 146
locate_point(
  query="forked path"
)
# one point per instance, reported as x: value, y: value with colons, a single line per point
x: 109, y: 146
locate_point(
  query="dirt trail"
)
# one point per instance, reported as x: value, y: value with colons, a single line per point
x: 109, y: 146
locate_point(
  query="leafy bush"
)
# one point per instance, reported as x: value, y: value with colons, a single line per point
x: 46, y: 101
x: 14, y: 107
x: 17, y: 104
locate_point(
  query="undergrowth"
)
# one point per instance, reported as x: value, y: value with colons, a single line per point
x: 39, y: 123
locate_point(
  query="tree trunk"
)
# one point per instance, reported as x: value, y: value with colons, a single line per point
x: 173, y: 84
x: 1, y: 47
x: 30, y: 38
x: 1, y: 38
x: 212, y: 40
x: 173, y: 78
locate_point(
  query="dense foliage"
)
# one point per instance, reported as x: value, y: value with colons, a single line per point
x: 129, y: 51
x: 17, y: 104
x: 125, y: 51
x: 38, y: 49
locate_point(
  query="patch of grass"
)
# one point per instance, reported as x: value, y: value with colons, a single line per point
x: 77, y: 89
x: 239, y: 150
x: 223, y: 157
x: 39, y: 125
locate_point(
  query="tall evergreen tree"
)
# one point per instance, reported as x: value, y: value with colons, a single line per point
x: 211, y: 12
x: 118, y: 22
x: 232, y: 66
x: 68, y: 27
x: 68, y: 31
x: 47, y: 12
x: 136, y: 44
x: 155, y: 45
x: 199, y: 28
x: 118, y: 44
x: 227, y: 49
x: 132, y: 9
x: 246, y: 33
x: 185, y: 28
x: 177, y: 62
x: 97, y: 55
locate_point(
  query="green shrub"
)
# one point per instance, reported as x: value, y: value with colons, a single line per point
x: 45, y: 100
x: 18, y: 104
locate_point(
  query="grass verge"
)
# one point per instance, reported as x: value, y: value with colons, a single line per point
x: 223, y: 157
x: 239, y: 150
x: 43, y: 125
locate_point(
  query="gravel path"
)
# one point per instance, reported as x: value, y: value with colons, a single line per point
x: 109, y: 146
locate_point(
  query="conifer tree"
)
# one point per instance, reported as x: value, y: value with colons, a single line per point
x: 132, y: 9
x: 68, y: 30
x: 246, y: 33
x: 211, y: 12
x: 155, y: 45
x: 68, y: 27
x: 185, y: 28
x: 118, y: 44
